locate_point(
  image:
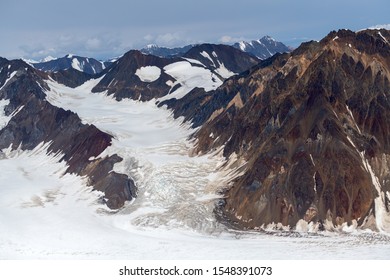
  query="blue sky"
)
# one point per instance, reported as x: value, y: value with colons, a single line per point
x: 104, y: 29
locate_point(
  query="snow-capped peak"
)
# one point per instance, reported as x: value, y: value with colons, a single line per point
x: 48, y: 58
x: 29, y: 61
x: 151, y: 46
x: 268, y: 38
x: 242, y: 45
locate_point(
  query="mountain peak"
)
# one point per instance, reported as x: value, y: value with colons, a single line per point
x: 268, y: 38
x: 48, y: 58
x: 151, y: 46
x: 262, y: 48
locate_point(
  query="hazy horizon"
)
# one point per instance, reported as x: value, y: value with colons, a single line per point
x: 100, y: 29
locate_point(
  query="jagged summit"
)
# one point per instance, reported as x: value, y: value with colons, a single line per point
x: 71, y: 61
x: 143, y: 77
x: 262, y: 48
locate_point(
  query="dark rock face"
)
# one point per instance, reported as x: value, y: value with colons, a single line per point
x: 234, y: 91
x: 121, y: 81
x: 38, y: 121
x: 83, y: 64
x: 70, y: 77
x: 313, y: 128
x: 263, y: 48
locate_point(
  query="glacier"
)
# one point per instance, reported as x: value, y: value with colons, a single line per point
x: 47, y: 214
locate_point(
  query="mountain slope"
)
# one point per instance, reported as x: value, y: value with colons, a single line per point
x: 32, y: 120
x: 222, y: 59
x: 312, y: 127
x: 144, y: 77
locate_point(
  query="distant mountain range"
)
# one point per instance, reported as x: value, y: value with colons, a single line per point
x: 83, y: 64
x: 262, y: 49
x: 165, y: 52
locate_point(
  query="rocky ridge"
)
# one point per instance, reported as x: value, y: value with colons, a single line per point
x: 311, y: 126
x: 79, y: 63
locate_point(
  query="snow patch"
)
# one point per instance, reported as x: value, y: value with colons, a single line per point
x: 148, y: 74
x: 76, y: 64
x: 189, y: 77
x: 224, y: 72
x: 382, y: 216
x: 353, y: 118
x: 48, y: 58
x: 8, y: 79
x: 194, y: 61
x: 3, y: 118
x: 383, y: 38
x: 242, y: 45
x: 206, y: 55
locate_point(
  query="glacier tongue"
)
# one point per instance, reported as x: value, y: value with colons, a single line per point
x: 175, y: 189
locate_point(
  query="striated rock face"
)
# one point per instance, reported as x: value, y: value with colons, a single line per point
x: 38, y: 121
x: 216, y: 56
x: 313, y: 127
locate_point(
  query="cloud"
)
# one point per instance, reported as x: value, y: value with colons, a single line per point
x: 169, y: 39
x: 229, y: 40
x: 100, y: 46
x: 93, y: 44
x: 226, y: 39
x: 381, y: 26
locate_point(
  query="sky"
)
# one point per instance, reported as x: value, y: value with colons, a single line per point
x: 106, y: 29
